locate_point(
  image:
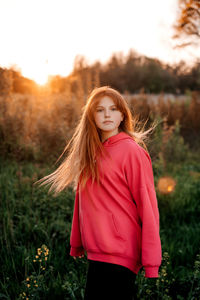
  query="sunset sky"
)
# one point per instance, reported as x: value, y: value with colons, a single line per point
x: 43, y: 37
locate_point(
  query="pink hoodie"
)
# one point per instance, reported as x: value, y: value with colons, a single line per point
x: 118, y: 221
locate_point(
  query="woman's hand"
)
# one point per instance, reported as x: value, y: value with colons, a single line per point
x: 74, y: 257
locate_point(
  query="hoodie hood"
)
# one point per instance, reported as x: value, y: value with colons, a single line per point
x: 116, y: 138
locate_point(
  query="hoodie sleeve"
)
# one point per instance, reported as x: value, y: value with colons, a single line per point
x: 75, y: 238
x: 139, y: 174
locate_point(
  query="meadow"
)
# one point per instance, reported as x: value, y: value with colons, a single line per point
x: 35, y: 226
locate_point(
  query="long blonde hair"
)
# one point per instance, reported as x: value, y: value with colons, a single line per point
x: 86, y: 144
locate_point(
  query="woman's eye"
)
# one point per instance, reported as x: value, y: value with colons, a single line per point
x: 114, y: 108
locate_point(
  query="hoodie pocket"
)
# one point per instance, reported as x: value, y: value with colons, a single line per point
x: 101, y: 234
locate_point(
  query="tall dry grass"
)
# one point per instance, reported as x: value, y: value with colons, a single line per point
x: 37, y: 126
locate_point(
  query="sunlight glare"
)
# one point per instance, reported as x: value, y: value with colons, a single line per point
x: 41, y: 79
x: 39, y: 73
x: 166, y: 185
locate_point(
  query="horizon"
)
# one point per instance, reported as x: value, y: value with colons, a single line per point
x: 48, y: 36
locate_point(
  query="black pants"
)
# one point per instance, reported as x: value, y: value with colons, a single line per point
x: 108, y: 281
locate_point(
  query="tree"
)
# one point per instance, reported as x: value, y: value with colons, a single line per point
x: 187, y: 26
x: 80, y: 63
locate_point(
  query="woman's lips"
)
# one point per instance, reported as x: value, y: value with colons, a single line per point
x: 107, y: 122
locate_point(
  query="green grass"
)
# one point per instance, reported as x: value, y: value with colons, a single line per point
x: 31, y: 218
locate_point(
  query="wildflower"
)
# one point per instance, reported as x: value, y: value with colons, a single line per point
x: 148, y: 291
x: 36, y: 256
x: 157, y: 282
x: 163, y: 271
x: 165, y: 254
x: 28, y: 285
x: 27, y: 279
x: 197, y: 263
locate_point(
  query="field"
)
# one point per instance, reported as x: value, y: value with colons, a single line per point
x: 35, y: 226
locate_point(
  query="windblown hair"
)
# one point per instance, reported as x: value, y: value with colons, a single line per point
x: 85, y: 144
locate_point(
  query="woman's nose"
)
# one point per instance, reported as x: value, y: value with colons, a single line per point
x: 107, y: 113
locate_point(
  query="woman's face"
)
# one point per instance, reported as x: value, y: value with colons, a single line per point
x: 105, y: 111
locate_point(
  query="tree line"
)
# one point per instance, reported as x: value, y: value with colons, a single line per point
x: 129, y: 73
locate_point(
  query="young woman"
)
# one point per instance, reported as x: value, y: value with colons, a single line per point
x: 116, y: 217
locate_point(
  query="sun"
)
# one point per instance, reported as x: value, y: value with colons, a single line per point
x: 36, y: 72
x: 40, y: 76
x: 41, y: 79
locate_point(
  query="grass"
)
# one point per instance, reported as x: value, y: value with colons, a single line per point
x: 30, y: 218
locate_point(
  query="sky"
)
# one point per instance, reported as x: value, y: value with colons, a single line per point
x: 43, y: 37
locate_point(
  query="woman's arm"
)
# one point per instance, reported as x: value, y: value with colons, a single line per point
x: 75, y: 238
x: 139, y: 174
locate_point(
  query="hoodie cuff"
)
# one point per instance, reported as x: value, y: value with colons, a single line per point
x: 77, y: 251
x: 151, y: 272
